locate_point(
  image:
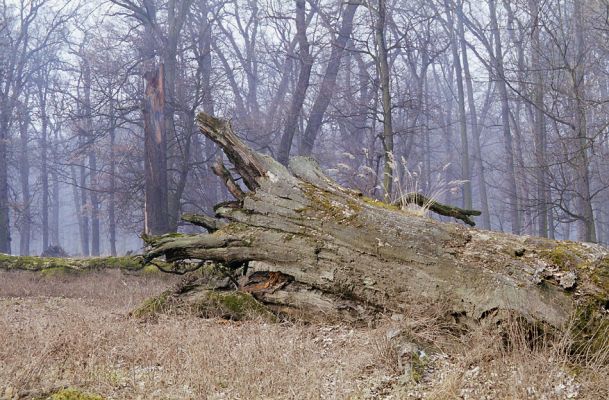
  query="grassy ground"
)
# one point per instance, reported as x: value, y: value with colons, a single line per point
x: 74, y: 331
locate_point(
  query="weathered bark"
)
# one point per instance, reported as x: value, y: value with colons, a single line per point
x: 156, y: 219
x: 311, y: 247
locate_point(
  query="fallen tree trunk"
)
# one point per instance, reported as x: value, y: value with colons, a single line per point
x: 314, y: 248
x: 36, y: 264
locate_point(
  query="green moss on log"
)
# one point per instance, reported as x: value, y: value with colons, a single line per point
x: 590, y: 331
x: 329, y: 204
x: 51, y: 266
x: 600, y: 275
x: 565, y: 255
x: 32, y: 263
x: 380, y: 204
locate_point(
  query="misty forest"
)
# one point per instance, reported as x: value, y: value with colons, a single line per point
x: 497, y: 106
x: 379, y: 196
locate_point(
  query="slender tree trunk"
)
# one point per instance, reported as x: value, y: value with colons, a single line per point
x: 44, y: 173
x: 382, y: 66
x: 92, y: 156
x: 465, y: 169
x: 539, y: 132
x: 84, y: 210
x: 505, y: 119
x: 328, y: 84
x: 586, y: 227
x: 475, y: 129
x: 24, y: 174
x: 112, y: 188
x: 298, y: 98
x: 55, y: 201
x: 427, y: 141
x: 93, y: 190
x: 76, y: 199
x: 55, y: 188
x: 5, y: 233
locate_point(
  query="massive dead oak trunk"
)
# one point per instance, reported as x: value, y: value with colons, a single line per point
x: 314, y: 248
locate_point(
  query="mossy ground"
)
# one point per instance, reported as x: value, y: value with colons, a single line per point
x: 71, y: 394
x: 231, y: 305
x: 206, y: 303
x: 153, y: 306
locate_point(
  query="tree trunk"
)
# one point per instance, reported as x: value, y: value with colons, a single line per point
x: 95, y: 223
x: 382, y: 66
x: 328, y: 83
x: 55, y: 202
x: 44, y: 171
x: 89, y: 135
x: 475, y: 128
x: 84, y: 210
x: 465, y: 169
x: 586, y: 229
x: 156, y: 218
x: 315, y: 249
x: 539, y: 130
x: 78, y: 211
x: 298, y: 98
x: 24, y: 174
x: 5, y: 232
x: 112, y: 188
x: 505, y: 119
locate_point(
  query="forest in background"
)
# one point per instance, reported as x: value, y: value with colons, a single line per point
x: 500, y: 106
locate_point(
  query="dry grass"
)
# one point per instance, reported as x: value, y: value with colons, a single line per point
x: 508, y: 364
x: 78, y: 334
x: 74, y: 331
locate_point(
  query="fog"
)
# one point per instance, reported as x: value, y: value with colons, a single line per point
x: 499, y: 106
